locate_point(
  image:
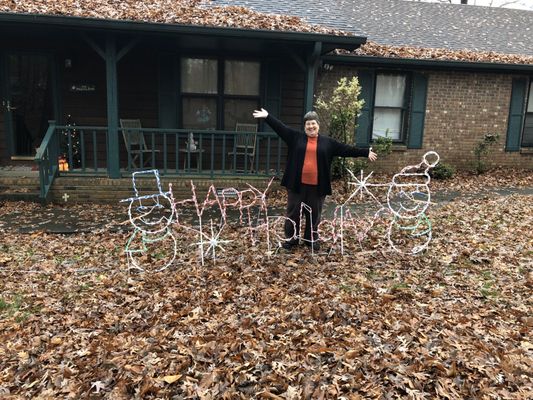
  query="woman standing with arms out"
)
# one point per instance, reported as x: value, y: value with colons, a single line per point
x: 307, y: 175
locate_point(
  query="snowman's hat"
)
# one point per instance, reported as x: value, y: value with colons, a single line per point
x: 411, y: 175
x: 136, y: 178
x: 417, y: 174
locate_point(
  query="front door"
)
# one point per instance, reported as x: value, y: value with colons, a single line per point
x: 28, y: 105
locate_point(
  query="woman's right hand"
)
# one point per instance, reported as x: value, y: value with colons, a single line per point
x: 260, y: 114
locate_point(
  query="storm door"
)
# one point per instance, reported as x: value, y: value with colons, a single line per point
x: 29, y: 102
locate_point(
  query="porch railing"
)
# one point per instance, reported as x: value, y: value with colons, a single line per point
x: 47, y: 160
x: 84, y: 150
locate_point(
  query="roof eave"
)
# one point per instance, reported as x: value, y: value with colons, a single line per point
x: 333, y: 41
x: 427, y: 63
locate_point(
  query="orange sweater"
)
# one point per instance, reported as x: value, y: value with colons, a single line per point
x: 310, y: 167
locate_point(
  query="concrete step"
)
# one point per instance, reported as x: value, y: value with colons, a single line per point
x: 31, y: 196
x: 18, y: 181
x: 19, y: 188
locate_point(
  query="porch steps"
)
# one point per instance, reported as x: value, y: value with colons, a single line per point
x: 105, y: 190
x: 19, y: 188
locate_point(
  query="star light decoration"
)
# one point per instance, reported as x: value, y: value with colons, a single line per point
x: 408, y: 197
x: 213, y: 242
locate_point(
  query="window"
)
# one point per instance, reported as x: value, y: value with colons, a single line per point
x: 527, y: 137
x: 208, y: 103
x: 389, y: 106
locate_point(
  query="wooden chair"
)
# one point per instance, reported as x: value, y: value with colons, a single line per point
x: 134, y: 140
x: 245, y: 143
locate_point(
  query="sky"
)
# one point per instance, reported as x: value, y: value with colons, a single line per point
x: 520, y: 4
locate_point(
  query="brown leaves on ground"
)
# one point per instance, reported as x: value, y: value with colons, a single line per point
x: 452, y: 323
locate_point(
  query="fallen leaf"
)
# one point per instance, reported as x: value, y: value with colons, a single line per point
x: 171, y: 378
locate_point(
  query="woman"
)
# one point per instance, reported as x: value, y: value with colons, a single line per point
x: 307, y: 174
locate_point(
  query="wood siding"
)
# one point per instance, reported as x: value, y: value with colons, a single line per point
x: 3, y: 139
x: 292, y: 96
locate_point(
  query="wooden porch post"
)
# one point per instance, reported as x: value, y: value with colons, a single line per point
x: 312, y: 66
x: 113, y: 167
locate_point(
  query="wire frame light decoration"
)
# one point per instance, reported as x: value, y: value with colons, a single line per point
x: 151, y: 216
x: 407, y: 200
x: 408, y: 197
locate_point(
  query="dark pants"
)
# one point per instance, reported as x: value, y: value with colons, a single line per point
x: 308, y: 195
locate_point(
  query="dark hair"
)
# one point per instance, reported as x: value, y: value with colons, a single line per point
x: 311, y: 116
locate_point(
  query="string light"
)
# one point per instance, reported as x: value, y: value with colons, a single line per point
x: 408, y: 197
x: 151, y: 226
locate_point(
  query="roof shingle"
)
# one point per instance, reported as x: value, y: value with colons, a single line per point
x: 415, y: 24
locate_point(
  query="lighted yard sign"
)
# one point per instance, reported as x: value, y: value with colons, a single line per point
x: 156, y: 216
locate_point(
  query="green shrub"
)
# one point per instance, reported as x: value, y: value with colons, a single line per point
x: 442, y: 171
x: 482, y: 149
x: 339, y: 110
x: 359, y: 164
x: 382, y: 145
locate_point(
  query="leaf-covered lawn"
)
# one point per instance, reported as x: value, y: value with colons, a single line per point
x: 452, y: 323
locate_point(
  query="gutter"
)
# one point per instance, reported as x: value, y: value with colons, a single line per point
x: 389, y: 62
x: 152, y: 27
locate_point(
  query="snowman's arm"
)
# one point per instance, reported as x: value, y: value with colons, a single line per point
x: 135, y: 243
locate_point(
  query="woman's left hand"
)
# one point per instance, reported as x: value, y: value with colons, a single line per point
x: 371, y: 155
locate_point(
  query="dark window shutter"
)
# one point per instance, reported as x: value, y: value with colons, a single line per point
x: 364, y: 122
x: 272, y: 89
x: 516, y: 114
x: 418, y: 111
x: 167, y: 92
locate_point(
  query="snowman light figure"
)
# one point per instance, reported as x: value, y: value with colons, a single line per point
x: 408, y: 198
x: 151, y: 216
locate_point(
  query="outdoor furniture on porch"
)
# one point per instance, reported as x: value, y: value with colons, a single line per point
x: 189, y: 156
x: 135, y: 143
x: 245, y: 143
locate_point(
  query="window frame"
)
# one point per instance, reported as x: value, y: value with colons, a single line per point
x: 220, y: 96
x: 405, y: 109
x: 527, y: 114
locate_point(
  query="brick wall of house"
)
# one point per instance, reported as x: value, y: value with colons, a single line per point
x: 461, y: 108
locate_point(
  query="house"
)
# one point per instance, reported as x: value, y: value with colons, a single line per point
x: 194, y: 70
x: 436, y: 76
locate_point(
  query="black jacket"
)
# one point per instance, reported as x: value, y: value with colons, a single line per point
x: 327, y: 148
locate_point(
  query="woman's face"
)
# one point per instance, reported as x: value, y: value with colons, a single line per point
x: 311, y: 128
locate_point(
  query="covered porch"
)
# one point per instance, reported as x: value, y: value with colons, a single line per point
x: 67, y: 82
